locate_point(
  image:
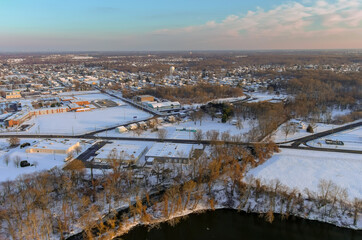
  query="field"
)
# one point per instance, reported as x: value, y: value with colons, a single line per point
x: 303, y: 169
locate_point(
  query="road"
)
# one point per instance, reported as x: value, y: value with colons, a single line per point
x: 303, y: 140
x: 90, y: 153
x: 295, y: 143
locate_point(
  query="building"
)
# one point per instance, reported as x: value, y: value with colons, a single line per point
x: 121, y: 129
x: 172, y: 153
x: 54, y: 146
x: 22, y: 116
x: 145, y: 98
x: 12, y: 94
x: 164, y: 106
x: 124, y: 152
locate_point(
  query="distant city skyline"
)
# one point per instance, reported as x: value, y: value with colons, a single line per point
x: 95, y: 25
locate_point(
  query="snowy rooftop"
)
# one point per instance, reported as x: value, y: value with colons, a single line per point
x: 123, y: 150
x: 55, y: 144
x: 171, y: 150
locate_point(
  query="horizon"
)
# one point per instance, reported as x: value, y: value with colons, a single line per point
x: 94, y: 26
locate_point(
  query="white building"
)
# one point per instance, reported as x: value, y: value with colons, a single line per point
x: 124, y: 152
x: 54, y: 146
x: 172, y: 152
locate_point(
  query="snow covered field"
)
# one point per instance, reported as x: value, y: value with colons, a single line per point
x: 206, y: 125
x: 81, y: 122
x: 352, y: 140
x: 42, y: 160
x: 302, y: 169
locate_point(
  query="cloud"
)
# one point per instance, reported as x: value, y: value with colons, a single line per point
x: 290, y: 25
x: 293, y: 25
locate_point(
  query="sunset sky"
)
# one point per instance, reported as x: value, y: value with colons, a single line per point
x: 97, y: 25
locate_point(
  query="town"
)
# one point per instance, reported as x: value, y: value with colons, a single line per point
x: 122, y: 128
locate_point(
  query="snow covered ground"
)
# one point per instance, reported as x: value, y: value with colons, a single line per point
x: 97, y: 96
x: 279, y: 135
x: 302, y: 169
x: 81, y: 122
x: 42, y: 160
x: 206, y: 125
x: 352, y: 140
x: 259, y: 97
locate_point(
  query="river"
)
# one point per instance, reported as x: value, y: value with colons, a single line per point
x: 230, y: 224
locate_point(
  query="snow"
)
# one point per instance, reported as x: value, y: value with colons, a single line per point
x: 127, y: 152
x: 279, y: 135
x: 171, y: 150
x: 302, y: 169
x: 81, y: 122
x: 44, y: 161
x: 135, y: 144
x: 260, y: 97
x: 206, y: 125
x: 74, y: 93
x: 352, y: 140
x: 97, y: 96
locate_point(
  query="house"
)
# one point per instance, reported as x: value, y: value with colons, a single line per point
x: 132, y: 126
x: 121, y: 129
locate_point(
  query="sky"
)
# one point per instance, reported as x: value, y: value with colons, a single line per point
x: 146, y: 25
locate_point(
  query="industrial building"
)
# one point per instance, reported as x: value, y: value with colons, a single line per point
x: 125, y: 152
x: 50, y: 146
x: 145, y: 98
x: 172, y: 152
x: 164, y: 106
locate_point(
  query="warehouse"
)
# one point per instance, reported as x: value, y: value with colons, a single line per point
x: 164, y: 106
x: 123, y: 152
x: 51, y: 146
x: 172, y: 152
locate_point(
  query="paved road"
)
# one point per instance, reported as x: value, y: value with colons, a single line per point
x: 303, y: 140
x: 295, y: 144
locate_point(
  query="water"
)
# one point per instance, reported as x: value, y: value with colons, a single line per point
x: 230, y: 224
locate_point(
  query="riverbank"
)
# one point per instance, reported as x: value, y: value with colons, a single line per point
x: 232, y: 224
x: 260, y: 205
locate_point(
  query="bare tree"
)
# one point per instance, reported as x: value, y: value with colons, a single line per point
x: 138, y: 131
x: 357, y: 205
x: 162, y: 133
x: 17, y: 160
x: 239, y: 124
x: 14, y: 141
x: 6, y: 160
x: 288, y: 128
x: 198, y: 135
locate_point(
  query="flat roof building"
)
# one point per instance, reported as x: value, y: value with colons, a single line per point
x: 125, y: 152
x: 54, y: 146
x: 172, y: 152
